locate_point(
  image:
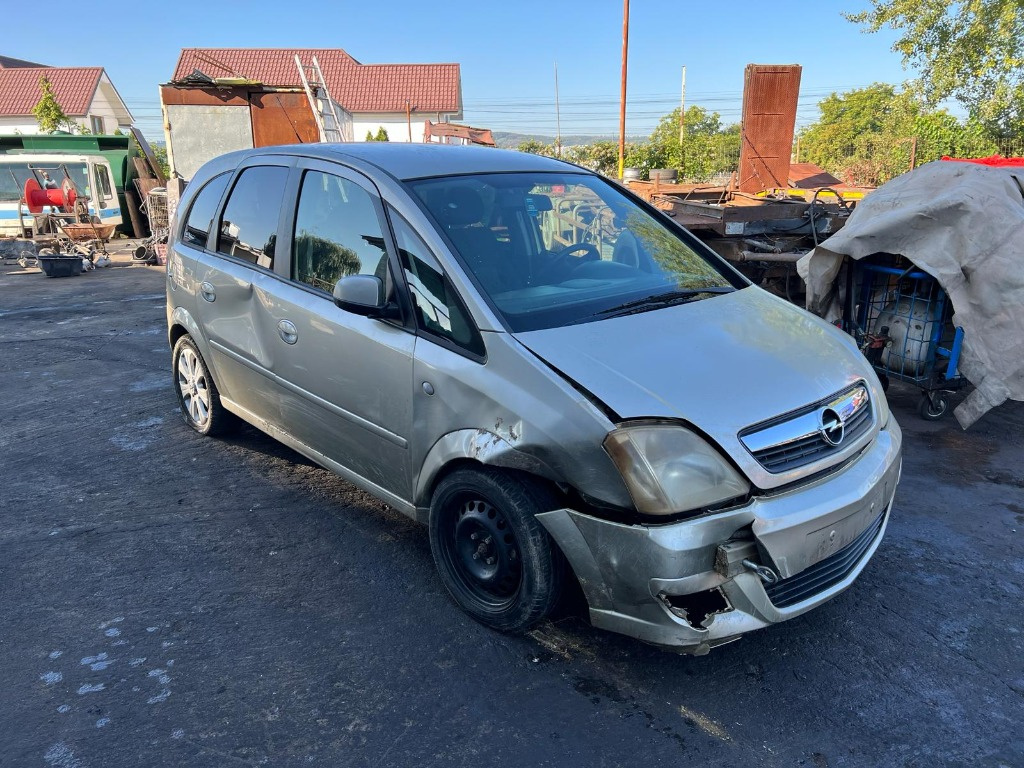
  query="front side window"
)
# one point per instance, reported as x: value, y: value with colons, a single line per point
x: 337, y: 232
x: 103, y: 181
x: 556, y: 249
x: 248, y: 227
x: 200, y: 216
x: 439, y: 311
x: 13, y: 176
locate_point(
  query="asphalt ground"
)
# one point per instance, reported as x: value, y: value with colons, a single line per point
x: 168, y: 599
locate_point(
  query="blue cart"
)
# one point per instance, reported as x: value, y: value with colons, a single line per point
x: 902, y: 320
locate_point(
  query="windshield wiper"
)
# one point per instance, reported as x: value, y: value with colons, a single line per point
x: 659, y: 300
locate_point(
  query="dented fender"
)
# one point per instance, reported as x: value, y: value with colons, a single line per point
x: 496, y: 449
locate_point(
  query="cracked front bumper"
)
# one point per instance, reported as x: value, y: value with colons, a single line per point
x: 833, y: 525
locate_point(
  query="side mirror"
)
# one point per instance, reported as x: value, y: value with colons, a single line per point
x: 362, y: 295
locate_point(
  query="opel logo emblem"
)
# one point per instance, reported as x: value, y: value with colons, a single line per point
x: 832, y: 428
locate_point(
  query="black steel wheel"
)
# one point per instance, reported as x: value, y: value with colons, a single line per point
x: 493, y: 555
x: 932, y: 406
x: 197, y: 393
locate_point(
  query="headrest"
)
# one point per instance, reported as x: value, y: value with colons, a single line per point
x: 462, y: 206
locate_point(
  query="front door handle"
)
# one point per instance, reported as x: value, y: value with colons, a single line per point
x: 289, y: 333
x: 208, y: 292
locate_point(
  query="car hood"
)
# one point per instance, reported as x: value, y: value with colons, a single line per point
x: 723, y: 363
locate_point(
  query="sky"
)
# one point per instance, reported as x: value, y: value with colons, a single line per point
x: 508, y: 51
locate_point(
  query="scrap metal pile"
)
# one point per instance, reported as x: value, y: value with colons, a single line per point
x: 962, y: 223
x: 772, y: 211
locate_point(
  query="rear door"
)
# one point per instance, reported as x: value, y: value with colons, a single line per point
x: 236, y: 286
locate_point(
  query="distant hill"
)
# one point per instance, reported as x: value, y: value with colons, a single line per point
x: 512, y: 140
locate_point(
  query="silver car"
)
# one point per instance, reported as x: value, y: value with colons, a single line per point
x: 552, y: 375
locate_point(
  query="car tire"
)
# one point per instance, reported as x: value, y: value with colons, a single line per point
x: 493, y: 555
x: 197, y: 393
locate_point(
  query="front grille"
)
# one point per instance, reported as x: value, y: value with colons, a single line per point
x: 825, y: 573
x: 796, y: 440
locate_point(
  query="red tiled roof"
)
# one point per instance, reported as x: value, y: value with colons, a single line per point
x: 73, y: 86
x: 357, y: 87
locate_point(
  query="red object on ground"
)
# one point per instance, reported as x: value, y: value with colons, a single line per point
x: 37, y: 198
x: 997, y: 160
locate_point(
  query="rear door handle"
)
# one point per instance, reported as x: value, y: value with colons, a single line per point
x: 208, y: 292
x: 289, y: 333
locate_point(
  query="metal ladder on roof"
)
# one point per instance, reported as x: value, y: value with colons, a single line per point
x: 324, y: 110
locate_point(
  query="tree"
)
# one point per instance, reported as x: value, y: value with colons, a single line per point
x: 535, y: 147
x: 48, y: 111
x: 382, y: 134
x: 708, y: 149
x: 160, y: 155
x: 600, y: 156
x: 970, y: 50
x: 869, y: 135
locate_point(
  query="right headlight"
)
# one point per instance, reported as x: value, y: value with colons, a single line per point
x: 669, y: 469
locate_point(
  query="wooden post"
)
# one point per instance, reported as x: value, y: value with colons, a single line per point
x: 913, y: 153
x: 408, y: 117
x: 622, y: 97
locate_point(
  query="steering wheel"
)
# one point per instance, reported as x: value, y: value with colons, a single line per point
x: 563, y: 262
x: 589, y: 253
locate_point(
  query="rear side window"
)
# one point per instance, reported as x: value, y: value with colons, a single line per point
x: 248, y: 227
x: 337, y: 233
x: 439, y: 311
x: 200, y: 215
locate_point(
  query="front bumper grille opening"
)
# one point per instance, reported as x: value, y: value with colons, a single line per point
x: 826, y: 573
x: 696, y: 608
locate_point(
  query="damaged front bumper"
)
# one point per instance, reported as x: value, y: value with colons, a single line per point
x: 698, y: 583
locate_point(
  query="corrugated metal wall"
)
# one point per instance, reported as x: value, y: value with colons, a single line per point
x: 770, y: 94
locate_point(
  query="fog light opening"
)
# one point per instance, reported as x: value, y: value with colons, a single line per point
x: 699, y: 608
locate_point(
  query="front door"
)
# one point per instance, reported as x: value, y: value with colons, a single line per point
x: 346, y: 379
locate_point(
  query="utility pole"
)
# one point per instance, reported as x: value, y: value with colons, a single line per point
x: 408, y: 117
x: 622, y: 97
x: 558, y: 119
x: 682, y: 124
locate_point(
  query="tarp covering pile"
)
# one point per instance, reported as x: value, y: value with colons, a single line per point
x: 962, y: 223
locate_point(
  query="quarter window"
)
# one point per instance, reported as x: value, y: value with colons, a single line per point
x: 337, y: 232
x: 200, y: 215
x: 439, y: 311
x: 248, y: 227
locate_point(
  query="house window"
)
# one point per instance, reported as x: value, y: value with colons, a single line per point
x: 95, y: 124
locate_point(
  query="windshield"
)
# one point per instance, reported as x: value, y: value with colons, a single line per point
x: 13, y: 176
x: 557, y: 249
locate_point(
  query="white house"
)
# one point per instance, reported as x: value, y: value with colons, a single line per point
x: 86, y: 95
